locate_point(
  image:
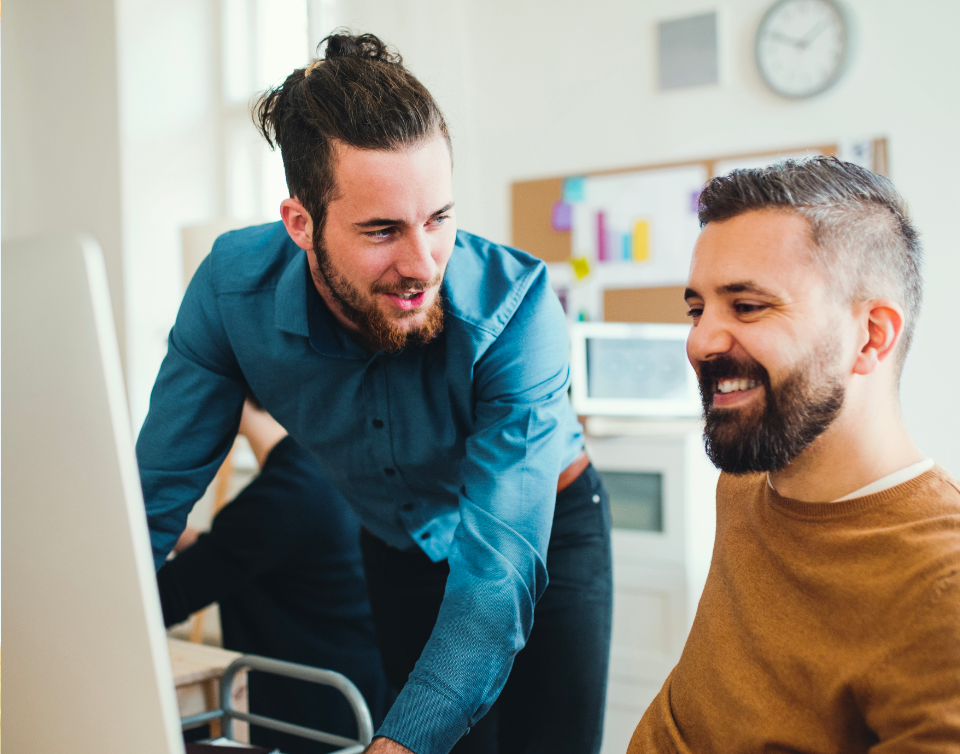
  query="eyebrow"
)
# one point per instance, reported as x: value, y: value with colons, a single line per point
x: 379, y: 222
x: 745, y: 286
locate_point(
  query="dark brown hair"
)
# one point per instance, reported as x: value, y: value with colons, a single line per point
x: 860, y: 227
x: 358, y: 94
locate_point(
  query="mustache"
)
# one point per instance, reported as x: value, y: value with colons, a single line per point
x: 405, y: 285
x: 710, y: 372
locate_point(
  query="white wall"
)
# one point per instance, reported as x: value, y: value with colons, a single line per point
x: 552, y: 87
x: 61, y: 148
x: 168, y: 95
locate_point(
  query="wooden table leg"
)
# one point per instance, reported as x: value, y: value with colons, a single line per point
x: 211, y: 698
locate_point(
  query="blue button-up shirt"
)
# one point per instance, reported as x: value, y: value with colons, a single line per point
x: 454, y: 447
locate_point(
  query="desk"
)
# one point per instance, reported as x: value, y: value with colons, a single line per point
x: 196, y: 676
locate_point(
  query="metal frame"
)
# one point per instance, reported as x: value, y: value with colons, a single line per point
x: 227, y: 714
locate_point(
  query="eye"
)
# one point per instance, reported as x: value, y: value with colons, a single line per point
x: 439, y: 219
x: 695, y: 312
x: 751, y: 308
x: 381, y: 234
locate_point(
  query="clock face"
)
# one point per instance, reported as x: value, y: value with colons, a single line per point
x: 802, y: 46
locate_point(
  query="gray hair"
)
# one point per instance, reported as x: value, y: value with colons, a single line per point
x: 860, y: 226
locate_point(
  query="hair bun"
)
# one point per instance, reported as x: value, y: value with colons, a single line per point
x: 342, y: 44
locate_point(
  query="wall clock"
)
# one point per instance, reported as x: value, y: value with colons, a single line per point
x: 802, y: 46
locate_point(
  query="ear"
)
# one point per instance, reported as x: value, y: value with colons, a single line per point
x: 882, y: 321
x: 298, y: 223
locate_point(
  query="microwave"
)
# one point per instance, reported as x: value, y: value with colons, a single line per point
x: 632, y: 369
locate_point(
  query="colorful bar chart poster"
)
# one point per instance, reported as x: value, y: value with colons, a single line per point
x: 640, y: 224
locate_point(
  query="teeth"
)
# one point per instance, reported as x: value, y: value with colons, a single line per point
x: 732, y: 386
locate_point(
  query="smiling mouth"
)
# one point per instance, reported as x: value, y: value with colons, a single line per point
x: 731, y: 392
x: 408, y: 301
x: 734, y: 385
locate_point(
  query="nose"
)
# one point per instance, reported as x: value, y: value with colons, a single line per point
x: 709, y: 337
x: 416, y: 258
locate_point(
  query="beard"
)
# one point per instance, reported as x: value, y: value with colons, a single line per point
x: 363, y: 311
x: 794, y: 414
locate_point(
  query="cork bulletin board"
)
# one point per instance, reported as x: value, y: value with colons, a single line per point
x: 627, y: 279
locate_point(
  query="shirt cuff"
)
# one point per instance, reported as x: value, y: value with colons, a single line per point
x: 425, y: 720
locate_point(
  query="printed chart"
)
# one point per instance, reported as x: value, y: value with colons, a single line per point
x: 631, y: 229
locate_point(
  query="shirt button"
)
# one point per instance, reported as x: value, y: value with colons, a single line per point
x: 389, y: 472
x: 425, y: 535
x: 378, y: 423
x: 407, y: 506
x: 596, y: 498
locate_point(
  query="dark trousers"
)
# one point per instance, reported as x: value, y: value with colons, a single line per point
x: 553, y: 701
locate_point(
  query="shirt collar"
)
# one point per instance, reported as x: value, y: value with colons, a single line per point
x: 299, y: 310
x: 290, y: 312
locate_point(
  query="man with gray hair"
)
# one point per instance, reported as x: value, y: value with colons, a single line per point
x: 830, y: 620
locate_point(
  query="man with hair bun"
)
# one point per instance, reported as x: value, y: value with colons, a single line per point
x: 426, y: 369
x: 830, y: 619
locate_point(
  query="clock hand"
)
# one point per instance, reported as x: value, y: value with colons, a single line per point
x: 784, y: 38
x: 811, y: 35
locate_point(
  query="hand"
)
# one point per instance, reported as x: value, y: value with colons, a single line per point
x: 383, y: 745
x: 187, y: 539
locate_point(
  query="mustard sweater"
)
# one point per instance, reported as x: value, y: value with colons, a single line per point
x: 823, y: 627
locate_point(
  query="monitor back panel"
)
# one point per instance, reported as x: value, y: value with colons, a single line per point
x: 85, y: 655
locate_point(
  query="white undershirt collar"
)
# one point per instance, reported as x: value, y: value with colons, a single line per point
x: 884, y: 483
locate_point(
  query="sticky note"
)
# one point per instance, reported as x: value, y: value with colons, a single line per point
x: 695, y: 202
x: 641, y: 241
x: 626, y: 253
x: 561, y: 216
x: 581, y: 267
x: 602, y: 251
x: 573, y: 189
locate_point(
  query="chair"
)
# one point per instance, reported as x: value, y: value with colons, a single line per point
x: 226, y: 714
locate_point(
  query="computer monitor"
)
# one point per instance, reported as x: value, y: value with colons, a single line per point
x: 84, y: 651
x: 627, y: 369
